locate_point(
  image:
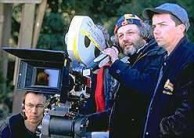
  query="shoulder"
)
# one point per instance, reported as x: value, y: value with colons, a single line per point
x: 5, y: 130
x: 6, y: 125
x: 10, y: 121
x: 15, y: 117
x: 187, y: 45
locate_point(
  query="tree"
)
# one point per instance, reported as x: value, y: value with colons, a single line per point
x: 59, y: 14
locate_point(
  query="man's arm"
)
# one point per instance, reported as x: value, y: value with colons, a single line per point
x: 142, y: 78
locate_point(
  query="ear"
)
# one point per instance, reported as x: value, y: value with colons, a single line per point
x: 182, y: 28
x: 23, y: 107
x: 23, y: 112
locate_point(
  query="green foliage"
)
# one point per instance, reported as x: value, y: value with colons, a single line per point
x: 51, y: 36
x: 59, y: 14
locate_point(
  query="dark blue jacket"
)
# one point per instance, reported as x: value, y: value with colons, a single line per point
x: 137, y: 80
x: 170, y: 113
x: 13, y: 127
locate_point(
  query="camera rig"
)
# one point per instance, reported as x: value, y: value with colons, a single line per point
x: 52, y: 72
x: 66, y: 87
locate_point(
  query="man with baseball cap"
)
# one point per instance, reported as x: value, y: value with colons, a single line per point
x: 137, y: 75
x: 171, y: 110
x: 170, y: 8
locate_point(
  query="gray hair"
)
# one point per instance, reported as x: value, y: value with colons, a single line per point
x: 146, y: 30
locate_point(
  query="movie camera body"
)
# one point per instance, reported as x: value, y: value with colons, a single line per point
x: 51, y: 72
x: 66, y: 94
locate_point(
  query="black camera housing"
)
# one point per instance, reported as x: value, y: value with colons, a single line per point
x: 56, y: 66
x: 34, y: 62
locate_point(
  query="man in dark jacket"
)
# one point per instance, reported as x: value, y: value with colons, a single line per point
x: 137, y: 75
x: 24, y: 125
x: 171, y: 109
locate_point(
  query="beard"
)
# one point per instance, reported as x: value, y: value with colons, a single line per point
x: 129, y: 50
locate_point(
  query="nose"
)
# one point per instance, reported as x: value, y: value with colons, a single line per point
x: 34, y: 109
x: 125, y: 37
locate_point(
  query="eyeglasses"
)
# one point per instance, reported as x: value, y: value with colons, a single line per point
x: 31, y: 106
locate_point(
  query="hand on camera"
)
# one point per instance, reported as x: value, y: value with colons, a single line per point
x: 112, y: 52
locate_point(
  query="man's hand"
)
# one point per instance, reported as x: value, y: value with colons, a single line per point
x: 113, y: 53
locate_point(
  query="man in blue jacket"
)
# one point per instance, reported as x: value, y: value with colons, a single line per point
x: 24, y: 124
x: 137, y: 75
x: 171, y: 109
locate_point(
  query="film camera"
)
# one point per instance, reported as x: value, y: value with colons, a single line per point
x: 50, y: 72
